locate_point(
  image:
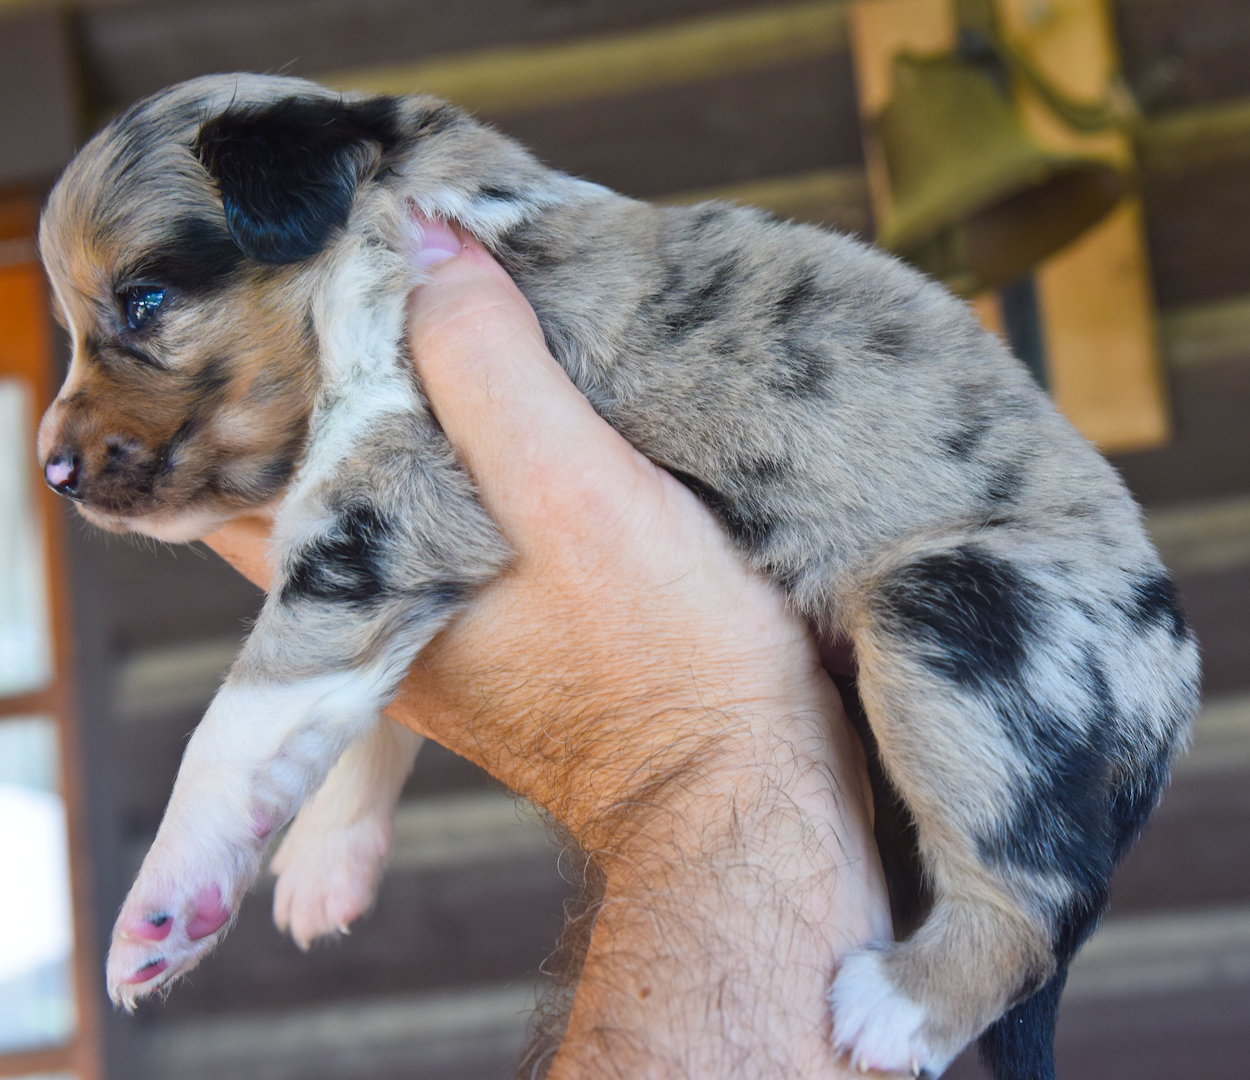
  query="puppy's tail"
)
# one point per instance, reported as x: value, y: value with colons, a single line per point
x: 1020, y: 1045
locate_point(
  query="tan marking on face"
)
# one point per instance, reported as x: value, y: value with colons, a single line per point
x: 200, y: 414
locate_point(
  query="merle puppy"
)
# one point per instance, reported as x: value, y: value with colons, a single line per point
x: 228, y: 257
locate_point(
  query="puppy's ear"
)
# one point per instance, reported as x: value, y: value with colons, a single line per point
x: 288, y: 172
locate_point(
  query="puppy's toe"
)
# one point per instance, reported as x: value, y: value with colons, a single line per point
x: 878, y: 1028
x: 327, y: 878
x: 162, y: 933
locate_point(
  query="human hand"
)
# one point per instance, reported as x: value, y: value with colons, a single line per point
x: 630, y: 674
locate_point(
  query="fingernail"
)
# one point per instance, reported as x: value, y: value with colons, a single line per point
x: 438, y: 242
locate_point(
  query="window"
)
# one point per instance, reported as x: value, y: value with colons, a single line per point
x: 37, y: 1006
x: 47, y: 1017
x: 25, y: 649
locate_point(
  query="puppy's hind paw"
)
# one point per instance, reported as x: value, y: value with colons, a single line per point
x: 327, y: 877
x: 878, y: 1028
x: 162, y: 934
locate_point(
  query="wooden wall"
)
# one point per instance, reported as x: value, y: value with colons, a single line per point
x: 433, y: 983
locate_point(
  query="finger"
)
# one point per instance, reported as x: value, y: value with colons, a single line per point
x: 523, y: 429
x: 244, y: 542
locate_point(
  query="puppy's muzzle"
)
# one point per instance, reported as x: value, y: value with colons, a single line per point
x: 113, y: 474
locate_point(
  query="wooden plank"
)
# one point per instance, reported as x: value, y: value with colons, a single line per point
x: 1190, y: 139
x: 1196, y: 849
x: 1202, y: 537
x: 989, y: 309
x: 1210, y: 455
x: 40, y: 702
x: 432, y: 929
x: 1095, y: 297
x: 58, y: 1059
x: 1197, y: 222
x: 1216, y: 605
x: 136, y: 48
x: 38, y: 108
x: 466, y: 1035
x: 1102, y: 351
x: 1200, y: 333
x: 772, y: 123
x: 504, y: 79
x: 1183, y: 53
x: 837, y: 198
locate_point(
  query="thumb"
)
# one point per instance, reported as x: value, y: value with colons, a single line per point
x: 519, y: 424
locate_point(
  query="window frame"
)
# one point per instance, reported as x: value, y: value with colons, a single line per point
x: 81, y: 1055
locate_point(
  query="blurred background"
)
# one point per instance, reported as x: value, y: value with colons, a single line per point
x: 1079, y: 169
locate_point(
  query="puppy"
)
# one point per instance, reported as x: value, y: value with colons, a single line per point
x: 228, y: 258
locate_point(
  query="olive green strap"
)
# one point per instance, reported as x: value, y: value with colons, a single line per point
x: 979, y: 33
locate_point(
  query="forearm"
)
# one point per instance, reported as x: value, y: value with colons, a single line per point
x: 732, y: 889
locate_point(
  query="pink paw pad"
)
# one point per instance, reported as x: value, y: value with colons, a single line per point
x: 153, y: 928
x: 208, y: 914
x: 148, y: 971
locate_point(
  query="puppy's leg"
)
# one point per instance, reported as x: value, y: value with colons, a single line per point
x: 1026, y: 711
x: 378, y: 548
x: 331, y: 858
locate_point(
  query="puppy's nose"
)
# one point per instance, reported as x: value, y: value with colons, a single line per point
x: 61, y: 473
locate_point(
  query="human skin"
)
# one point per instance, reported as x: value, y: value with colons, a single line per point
x: 630, y: 675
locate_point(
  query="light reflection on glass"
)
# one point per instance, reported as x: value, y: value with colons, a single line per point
x: 36, y: 936
x: 25, y: 650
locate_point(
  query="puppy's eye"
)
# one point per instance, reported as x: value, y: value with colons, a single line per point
x: 140, y: 304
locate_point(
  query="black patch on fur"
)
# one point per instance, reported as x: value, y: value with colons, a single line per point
x: 801, y: 293
x: 1062, y: 824
x: 525, y: 250
x: 802, y: 372
x: 498, y: 194
x: 1092, y: 613
x: 211, y: 379
x: 1081, y: 510
x: 705, y: 216
x: 1019, y: 1045
x: 1005, y: 485
x: 288, y: 172
x: 346, y: 564
x: 139, y: 356
x: 1133, y: 800
x: 963, y: 442
x: 435, y: 121
x: 92, y: 351
x: 889, y: 340
x: 1075, y: 922
x: 196, y: 259
x: 971, y: 612
x: 763, y: 471
x: 752, y: 532
x: 259, y: 484
x: 118, y: 355
x: 683, y: 311
x: 893, y: 825
x: 1154, y: 604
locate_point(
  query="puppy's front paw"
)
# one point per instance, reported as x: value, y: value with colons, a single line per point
x: 875, y: 1026
x: 327, y: 877
x: 163, y: 931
